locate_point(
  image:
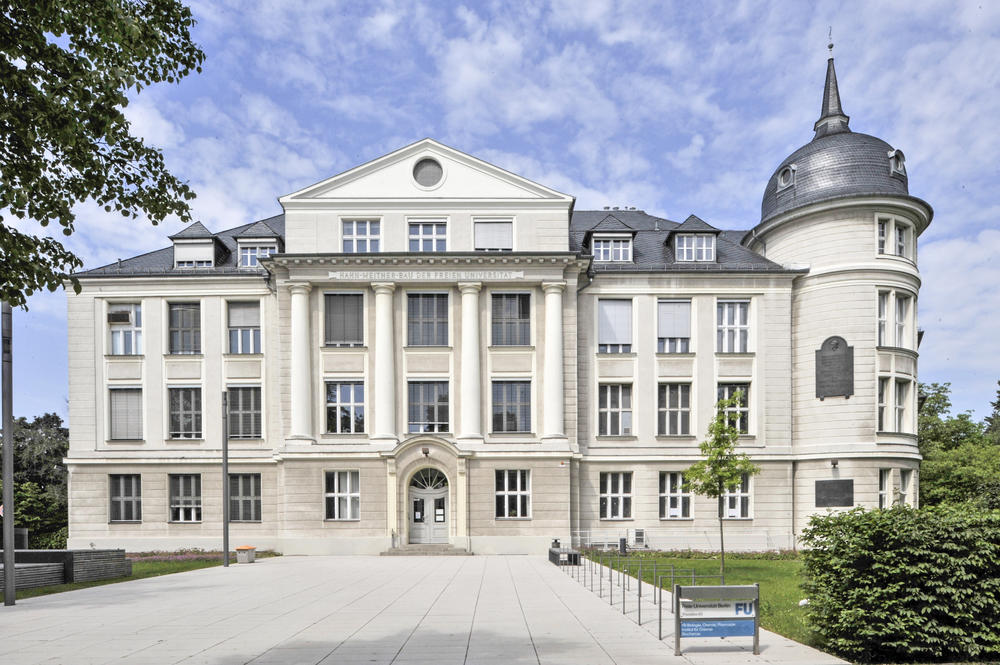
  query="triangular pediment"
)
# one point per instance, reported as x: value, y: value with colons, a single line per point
x: 392, y: 177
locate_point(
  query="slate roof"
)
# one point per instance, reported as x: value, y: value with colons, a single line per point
x: 834, y: 166
x: 695, y: 224
x: 612, y: 224
x: 257, y: 230
x: 160, y: 263
x: 195, y: 231
x: 650, y: 250
x: 651, y: 253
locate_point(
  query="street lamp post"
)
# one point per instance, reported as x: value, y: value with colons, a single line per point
x: 8, y: 459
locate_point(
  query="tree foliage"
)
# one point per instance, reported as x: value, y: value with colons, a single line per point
x: 722, y: 467
x: 40, y: 496
x: 961, y: 461
x: 66, y: 70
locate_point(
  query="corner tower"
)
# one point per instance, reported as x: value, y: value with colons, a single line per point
x: 840, y: 205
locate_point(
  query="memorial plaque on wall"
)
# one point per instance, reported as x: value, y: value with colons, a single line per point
x: 835, y: 369
x: 835, y: 493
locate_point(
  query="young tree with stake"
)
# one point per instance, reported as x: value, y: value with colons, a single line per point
x: 722, y: 467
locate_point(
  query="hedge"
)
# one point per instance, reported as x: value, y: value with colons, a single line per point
x: 905, y: 584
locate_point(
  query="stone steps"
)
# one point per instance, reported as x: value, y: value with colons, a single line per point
x: 427, y: 550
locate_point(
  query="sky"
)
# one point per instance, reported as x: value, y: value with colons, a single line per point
x: 672, y: 107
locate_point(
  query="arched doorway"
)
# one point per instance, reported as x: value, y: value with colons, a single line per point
x: 428, y: 506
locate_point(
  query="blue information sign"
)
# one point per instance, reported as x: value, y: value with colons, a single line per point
x: 734, y: 628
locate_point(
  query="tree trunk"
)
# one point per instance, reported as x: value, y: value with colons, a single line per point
x: 722, y: 541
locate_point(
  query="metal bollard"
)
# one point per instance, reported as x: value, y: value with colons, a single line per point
x: 659, y: 624
x: 600, y: 579
x: 639, y: 603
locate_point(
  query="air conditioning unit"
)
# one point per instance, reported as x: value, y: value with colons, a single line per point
x: 638, y: 538
x: 121, y: 316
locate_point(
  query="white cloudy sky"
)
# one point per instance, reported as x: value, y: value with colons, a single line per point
x: 675, y: 108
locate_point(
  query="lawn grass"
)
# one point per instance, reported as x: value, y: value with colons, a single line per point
x: 778, y: 578
x: 152, y: 564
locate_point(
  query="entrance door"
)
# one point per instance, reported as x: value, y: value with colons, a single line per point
x: 428, y: 507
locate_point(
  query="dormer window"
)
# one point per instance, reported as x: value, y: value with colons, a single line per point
x: 897, y: 163
x: 695, y: 247
x: 249, y: 254
x: 786, y: 177
x: 195, y: 264
x: 616, y: 249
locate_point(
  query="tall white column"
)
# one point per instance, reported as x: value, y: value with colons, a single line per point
x: 470, y: 388
x: 552, y: 376
x: 301, y: 395
x: 385, y: 363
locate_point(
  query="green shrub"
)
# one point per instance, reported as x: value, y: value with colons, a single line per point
x: 905, y: 584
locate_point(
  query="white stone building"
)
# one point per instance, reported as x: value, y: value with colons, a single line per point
x: 429, y: 349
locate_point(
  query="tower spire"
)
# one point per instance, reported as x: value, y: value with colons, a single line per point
x: 832, y: 119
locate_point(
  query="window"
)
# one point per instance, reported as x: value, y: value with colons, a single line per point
x: 902, y: 388
x: 126, y: 498
x: 427, y: 319
x: 185, y: 498
x: 343, y: 313
x: 345, y: 407
x: 616, y: 495
x: 736, y: 500
x: 883, y: 391
x: 902, y: 316
x: 185, y: 413
x: 513, y: 498
x: 883, y: 314
x: 250, y: 255
x: 673, y: 321
x: 742, y: 410
x: 902, y: 236
x: 613, y: 249
x: 883, y: 487
x: 125, y: 321
x: 674, y: 409
x: 343, y: 495
x: 511, y: 319
x: 733, y: 326
x: 675, y: 502
x: 244, y: 497
x: 511, y: 406
x: 194, y: 264
x: 614, y: 326
x: 244, y: 413
x: 495, y: 235
x: 244, y: 327
x: 429, y: 236
x: 126, y: 414
x: 185, y: 327
x: 614, y: 411
x: 905, y: 477
x: 883, y: 227
x: 361, y: 235
x: 695, y: 247
x: 428, y: 406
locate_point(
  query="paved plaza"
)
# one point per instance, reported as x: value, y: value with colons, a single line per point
x: 400, y: 610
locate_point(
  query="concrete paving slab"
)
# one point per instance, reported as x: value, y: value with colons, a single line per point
x: 478, y: 610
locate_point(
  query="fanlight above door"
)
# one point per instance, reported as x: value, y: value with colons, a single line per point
x: 429, y: 479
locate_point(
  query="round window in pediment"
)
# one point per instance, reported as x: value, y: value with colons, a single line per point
x: 428, y: 172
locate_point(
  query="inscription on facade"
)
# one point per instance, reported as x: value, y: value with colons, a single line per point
x: 835, y: 493
x: 834, y: 369
x: 425, y: 275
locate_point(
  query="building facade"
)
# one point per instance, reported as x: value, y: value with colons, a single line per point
x: 429, y: 349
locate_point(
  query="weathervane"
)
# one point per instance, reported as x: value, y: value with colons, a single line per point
x: 830, y: 45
